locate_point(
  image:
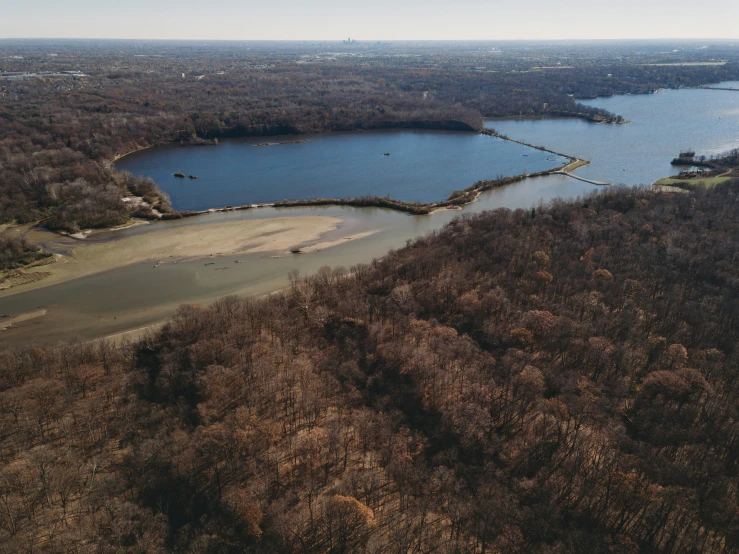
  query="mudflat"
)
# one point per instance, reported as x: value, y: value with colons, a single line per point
x: 175, y: 244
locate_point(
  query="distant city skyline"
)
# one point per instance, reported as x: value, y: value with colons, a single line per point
x: 377, y: 20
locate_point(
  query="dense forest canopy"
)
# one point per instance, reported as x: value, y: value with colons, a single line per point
x: 561, y: 379
x: 68, y: 108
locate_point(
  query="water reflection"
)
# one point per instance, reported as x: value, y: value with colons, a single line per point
x: 138, y: 295
x: 424, y: 166
x: 639, y: 152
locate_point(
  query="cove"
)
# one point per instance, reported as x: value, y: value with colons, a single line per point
x: 422, y: 166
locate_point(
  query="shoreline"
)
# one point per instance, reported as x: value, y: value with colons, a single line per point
x: 22, y: 321
x: 414, y: 208
x: 455, y: 201
x: 556, y: 117
x: 117, y: 157
x: 450, y: 125
x: 465, y: 197
x: 177, y: 244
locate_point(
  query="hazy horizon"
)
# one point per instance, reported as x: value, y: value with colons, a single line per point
x: 370, y: 41
x: 384, y: 20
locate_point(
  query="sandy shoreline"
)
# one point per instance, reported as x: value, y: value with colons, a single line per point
x: 7, y: 322
x: 329, y: 243
x: 183, y: 243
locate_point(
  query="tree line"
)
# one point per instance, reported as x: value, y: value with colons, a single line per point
x: 60, y: 135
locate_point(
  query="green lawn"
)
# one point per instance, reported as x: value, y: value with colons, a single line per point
x: 709, y: 181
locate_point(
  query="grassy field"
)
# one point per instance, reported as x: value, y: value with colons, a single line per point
x: 708, y: 182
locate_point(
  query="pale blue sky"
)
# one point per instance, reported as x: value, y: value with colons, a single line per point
x: 379, y: 19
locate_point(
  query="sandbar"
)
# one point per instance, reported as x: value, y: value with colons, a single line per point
x: 170, y: 244
x: 329, y: 243
x: 6, y: 323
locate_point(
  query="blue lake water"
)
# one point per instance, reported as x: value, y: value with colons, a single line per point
x: 639, y: 152
x: 423, y: 166
x: 137, y: 295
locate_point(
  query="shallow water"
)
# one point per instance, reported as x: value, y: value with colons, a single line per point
x: 639, y: 152
x: 138, y: 295
x: 423, y: 166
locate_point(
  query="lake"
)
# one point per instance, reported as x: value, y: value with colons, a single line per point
x: 639, y: 152
x: 423, y: 166
x: 138, y: 295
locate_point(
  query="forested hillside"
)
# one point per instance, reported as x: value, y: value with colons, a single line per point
x: 554, y: 380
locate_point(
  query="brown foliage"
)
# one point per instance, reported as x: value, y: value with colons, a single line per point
x: 424, y: 403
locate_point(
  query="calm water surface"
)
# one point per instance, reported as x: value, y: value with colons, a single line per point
x: 639, y: 152
x: 726, y: 84
x: 423, y: 166
x: 138, y: 295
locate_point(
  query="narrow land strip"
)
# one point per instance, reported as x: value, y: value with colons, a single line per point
x: 583, y: 179
x: 6, y: 322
